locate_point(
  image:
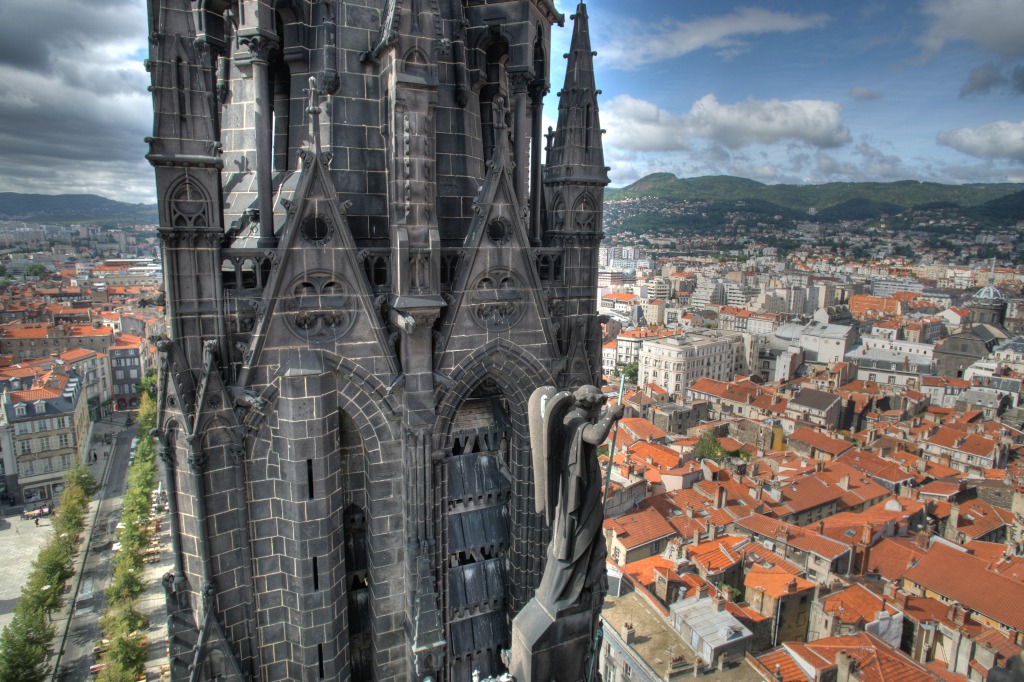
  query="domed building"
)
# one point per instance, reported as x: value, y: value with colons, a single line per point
x: 989, y: 305
x: 955, y: 353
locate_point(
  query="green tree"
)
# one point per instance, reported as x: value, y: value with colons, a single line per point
x: 630, y: 370
x: 148, y: 383
x: 113, y: 672
x: 3, y: 270
x: 35, y: 270
x: 708, y: 447
x: 81, y: 476
x: 25, y: 646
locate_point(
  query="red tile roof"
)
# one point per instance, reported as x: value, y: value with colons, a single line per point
x: 775, y: 582
x: 964, y: 578
x: 856, y: 604
x: 639, y: 528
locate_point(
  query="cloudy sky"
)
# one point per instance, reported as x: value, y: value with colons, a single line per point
x: 810, y: 92
x: 776, y: 90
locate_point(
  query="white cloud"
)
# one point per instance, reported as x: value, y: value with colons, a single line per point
x: 814, y: 122
x: 638, y: 125
x: 996, y: 140
x: 634, y: 45
x: 641, y: 135
x: 995, y: 25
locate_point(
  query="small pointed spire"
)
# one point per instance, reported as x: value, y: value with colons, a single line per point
x: 576, y: 149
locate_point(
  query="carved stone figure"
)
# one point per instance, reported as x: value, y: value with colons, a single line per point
x: 553, y: 636
x: 565, y: 430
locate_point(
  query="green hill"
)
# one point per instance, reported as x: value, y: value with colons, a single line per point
x: 73, y: 208
x: 1009, y: 208
x: 859, y: 198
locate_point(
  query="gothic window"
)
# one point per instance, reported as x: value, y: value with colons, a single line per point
x: 189, y: 206
x: 449, y: 268
x: 544, y: 267
x: 279, y: 69
x: 249, y: 274
x: 265, y: 268
x: 585, y: 214
x: 357, y: 592
x: 558, y: 215
x: 229, y: 273
x: 377, y: 269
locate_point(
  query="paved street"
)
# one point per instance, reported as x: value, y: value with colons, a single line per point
x: 84, y: 630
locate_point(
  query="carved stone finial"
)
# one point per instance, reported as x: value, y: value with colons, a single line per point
x: 500, y: 112
x: 314, y: 111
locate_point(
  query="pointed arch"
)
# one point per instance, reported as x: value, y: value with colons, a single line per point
x: 516, y: 373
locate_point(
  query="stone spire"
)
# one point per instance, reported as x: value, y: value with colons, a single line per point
x: 575, y: 153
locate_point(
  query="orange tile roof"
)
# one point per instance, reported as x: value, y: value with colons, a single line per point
x: 775, y: 582
x: 716, y: 555
x: 780, y: 663
x: 876, y: 661
x: 964, y: 578
x: 620, y: 297
x: 801, y: 538
x: 856, y: 604
x: 639, y: 528
x: 644, y: 570
x: 641, y: 429
x: 979, y: 518
x: 661, y: 456
x: 990, y: 551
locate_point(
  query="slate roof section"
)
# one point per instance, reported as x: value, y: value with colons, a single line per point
x: 476, y: 584
x: 813, y: 399
x: 476, y: 477
x: 487, y: 631
x: 476, y: 529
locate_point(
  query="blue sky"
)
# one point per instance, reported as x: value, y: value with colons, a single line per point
x: 776, y: 90
x: 811, y: 92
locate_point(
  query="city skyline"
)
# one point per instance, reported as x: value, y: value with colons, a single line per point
x: 776, y: 92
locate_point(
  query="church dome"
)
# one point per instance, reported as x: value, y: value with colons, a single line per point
x: 989, y: 294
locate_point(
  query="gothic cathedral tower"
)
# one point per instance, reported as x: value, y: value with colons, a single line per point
x: 368, y: 270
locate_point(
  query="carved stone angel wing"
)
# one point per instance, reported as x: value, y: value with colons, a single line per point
x: 547, y: 410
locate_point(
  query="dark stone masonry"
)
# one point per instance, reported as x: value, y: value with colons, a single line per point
x: 368, y: 271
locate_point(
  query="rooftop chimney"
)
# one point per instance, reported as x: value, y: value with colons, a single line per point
x: 846, y: 666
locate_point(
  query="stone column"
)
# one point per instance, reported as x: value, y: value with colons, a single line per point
x: 166, y: 455
x: 538, y: 89
x: 416, y: 316
x: 259, y: 49
x: 520, y: 82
